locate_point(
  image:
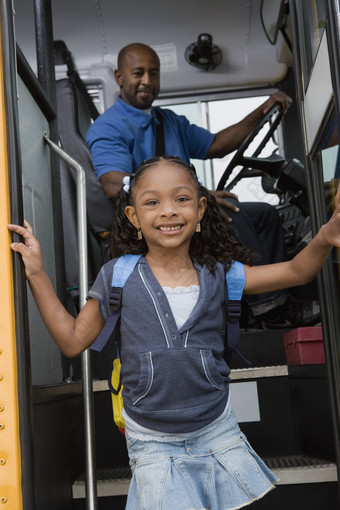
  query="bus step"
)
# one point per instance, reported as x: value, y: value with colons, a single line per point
x: 294, y: 469
x: 110, y: 482
x: 297, y: 469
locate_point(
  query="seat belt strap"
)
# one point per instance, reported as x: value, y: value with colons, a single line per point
x: 160, y: 143
x: 63, y: 55
x: 79, y: 84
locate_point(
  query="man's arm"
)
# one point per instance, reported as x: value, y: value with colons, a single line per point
x: 108, y: 142
x: 112, y: 182
x: 230, y: 138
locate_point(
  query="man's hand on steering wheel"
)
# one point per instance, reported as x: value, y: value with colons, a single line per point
x: 221, y: 197
x: 278, y: 97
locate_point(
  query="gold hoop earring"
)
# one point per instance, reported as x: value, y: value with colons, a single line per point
x: 198, y: 227
x: 139, y: 234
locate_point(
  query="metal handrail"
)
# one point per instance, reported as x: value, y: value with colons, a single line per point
x: 90, y: 473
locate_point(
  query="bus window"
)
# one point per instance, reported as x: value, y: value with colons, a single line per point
x: 330, y: 152
x: 312, y: 27
x: 193, y: 112
x: 330, y: 160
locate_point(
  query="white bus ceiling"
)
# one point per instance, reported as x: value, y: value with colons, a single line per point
x: 95, y: 30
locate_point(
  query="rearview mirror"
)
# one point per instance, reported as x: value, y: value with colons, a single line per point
x: 272, y: 14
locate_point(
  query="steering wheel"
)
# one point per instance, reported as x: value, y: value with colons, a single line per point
x: 262, y: 164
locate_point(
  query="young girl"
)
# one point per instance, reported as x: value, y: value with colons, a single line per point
x: 185, y: 447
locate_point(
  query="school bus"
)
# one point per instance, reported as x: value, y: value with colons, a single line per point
x: 59, y: 447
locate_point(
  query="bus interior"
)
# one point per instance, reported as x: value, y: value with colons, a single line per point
x: 219, y: 61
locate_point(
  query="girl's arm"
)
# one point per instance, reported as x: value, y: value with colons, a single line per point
x: 72, y: 335
x: 303, y: 267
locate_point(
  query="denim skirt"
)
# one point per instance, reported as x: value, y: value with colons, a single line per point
x: 217, y: 470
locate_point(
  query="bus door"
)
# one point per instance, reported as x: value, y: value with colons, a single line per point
x: 15, y: 436
x: 41, y: 435
x: 315, y: 37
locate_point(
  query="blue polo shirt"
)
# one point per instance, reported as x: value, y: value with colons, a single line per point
x: 124, y: 136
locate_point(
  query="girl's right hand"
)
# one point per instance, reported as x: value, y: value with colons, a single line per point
x: 30, y: 250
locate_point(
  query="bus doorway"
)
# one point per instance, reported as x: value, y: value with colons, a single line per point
x: 290, y: 412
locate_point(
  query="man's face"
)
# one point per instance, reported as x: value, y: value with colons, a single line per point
x: 138, y: 78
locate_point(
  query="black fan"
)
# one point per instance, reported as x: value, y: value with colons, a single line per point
x: 203, y: 53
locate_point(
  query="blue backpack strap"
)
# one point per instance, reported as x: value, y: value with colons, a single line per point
x: 121, y: 272
x: 236, y: 280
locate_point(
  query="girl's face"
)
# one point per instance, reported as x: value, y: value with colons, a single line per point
x: 166, y: 206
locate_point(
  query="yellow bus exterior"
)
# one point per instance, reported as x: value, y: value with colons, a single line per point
x: 10, y: 452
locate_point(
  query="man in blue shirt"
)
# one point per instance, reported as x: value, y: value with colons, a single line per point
x: 125, y: 135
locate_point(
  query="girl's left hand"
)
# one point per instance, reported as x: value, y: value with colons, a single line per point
x: 30, y: 250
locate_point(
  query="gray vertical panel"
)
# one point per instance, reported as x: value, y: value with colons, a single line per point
x: 45, y: 356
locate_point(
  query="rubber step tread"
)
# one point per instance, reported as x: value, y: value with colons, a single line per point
x: 292, y: 469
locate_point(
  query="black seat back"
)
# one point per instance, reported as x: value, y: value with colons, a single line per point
x: 74, y: 118
x: 73, y: 121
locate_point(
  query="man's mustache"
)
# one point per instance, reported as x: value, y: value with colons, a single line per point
x: 146, y: 89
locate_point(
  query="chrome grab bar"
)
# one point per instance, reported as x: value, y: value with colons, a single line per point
x: 90, y: 470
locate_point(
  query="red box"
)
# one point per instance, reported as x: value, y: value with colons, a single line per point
x: 304, y: 346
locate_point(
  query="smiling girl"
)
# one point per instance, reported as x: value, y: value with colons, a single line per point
x: 186, y: 449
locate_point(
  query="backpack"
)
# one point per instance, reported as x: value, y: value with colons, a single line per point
x: 122, y: 269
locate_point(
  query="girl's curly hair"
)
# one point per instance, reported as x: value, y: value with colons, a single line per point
x: 217, y: 241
